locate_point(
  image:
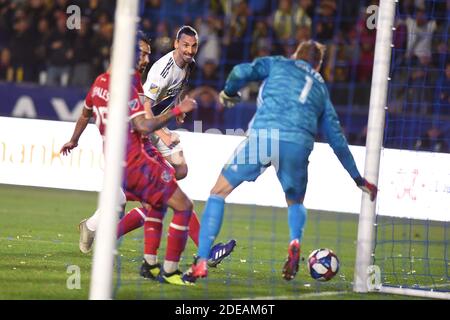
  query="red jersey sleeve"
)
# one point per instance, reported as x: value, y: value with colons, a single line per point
x: 135, y: 106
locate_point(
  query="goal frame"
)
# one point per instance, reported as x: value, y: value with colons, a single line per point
x: 375, y: 130
x: 126, y: 18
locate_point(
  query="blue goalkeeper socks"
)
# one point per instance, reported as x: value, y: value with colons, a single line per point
x: 296, y: 220
x: 210, y: 225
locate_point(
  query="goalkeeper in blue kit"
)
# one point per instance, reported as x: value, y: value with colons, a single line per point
x: 293, y: 106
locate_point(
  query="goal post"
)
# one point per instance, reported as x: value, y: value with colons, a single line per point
x: 375, y: 130
x: 109, y: 200
x: 402, y: 248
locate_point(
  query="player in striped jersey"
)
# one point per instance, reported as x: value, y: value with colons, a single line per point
x: 164, y: 85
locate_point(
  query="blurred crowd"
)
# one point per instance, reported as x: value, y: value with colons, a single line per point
x: 37, y: 46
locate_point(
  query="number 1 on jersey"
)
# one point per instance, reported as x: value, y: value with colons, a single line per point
x: 306, y: 89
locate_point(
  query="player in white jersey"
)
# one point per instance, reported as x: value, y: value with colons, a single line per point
x: 165, y: 81
x: 185, y: 47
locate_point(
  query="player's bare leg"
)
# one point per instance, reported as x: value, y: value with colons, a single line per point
x: 178, y: 162
x: 222, y: 187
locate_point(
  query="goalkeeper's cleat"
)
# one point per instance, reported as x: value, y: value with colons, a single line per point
x: 149, y: 271
x: 175, y: 278
x: 219, y: 252
x: 86, y: 237
x: 200, y: 268
x: 290, y: 267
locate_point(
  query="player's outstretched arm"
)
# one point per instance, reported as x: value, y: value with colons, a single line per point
x: 241, y: 75
x: 178, y: 99
x: 166, y: 136
x: 81, y: 124
x: 330, y: 126
x: 146, y: 126
x: 148, y: 105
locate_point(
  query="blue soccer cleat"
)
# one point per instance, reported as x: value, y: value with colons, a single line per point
x: 219, y: 252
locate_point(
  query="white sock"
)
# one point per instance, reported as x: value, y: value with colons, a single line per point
x: 170, y: 266
x: 151, y: 259
x: 92, y: 222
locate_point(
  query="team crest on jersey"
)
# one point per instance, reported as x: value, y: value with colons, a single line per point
x: 154, y: 88
x: 166, y: 176
x: 133, y: 104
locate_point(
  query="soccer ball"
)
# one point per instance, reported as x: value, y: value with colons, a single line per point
x: 323, y: 264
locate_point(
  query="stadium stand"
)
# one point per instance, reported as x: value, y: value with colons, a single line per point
x: 37, y: 48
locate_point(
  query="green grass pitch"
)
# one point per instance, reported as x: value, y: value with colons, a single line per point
x: 39, y: 241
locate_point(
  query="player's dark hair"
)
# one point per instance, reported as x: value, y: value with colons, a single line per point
x: 187, y: 30
x: 141, y: 36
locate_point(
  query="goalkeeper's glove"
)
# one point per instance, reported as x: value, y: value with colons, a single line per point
x: 228, y: 101
x: 367, y: 187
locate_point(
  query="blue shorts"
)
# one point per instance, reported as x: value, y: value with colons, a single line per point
x: 256, y: 153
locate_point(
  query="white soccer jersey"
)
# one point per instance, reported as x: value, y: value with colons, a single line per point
x: 165, y: 79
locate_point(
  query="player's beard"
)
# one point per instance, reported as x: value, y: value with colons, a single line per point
x: 141, y: 67
x: 188, y: 58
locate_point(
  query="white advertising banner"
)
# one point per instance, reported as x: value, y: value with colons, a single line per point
x: 29, y: 155
x: 412, y: 184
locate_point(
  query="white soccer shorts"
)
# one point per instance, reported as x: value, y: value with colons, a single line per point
x: 165, y: 150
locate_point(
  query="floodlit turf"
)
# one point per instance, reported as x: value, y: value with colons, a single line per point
x: 39, y: 253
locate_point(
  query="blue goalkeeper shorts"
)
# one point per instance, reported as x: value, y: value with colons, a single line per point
x: 256, y: 153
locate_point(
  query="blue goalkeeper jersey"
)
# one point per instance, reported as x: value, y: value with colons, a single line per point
x: 295, y: 100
